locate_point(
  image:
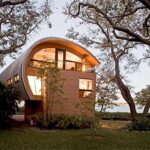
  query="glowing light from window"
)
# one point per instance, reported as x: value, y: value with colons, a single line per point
x: 35, y: 84
x: 85, y: 84
x: 72, y: 57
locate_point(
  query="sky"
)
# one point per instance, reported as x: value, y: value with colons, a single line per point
x: 59, y: 29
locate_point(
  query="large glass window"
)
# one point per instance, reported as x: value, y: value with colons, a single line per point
x: 85, y: 84
x: 47, y: 54
x: 85, y: 88
x: 70, y: 65
x: 35, y: 84
x: 60, y: 57
x: 72, y: 57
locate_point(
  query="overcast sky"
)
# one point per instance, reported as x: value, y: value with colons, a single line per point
x: 59, y: 29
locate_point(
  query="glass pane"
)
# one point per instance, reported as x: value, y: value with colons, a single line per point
x: 86, y: 68
x: 69, y: 65
x: 41, y: 64
x: 86, y: 94
x: 85, y: 84
x: 47, y: 54
x: 60, y: 64
x: 61, y: 55
x: 16, y: 77
x: 35, y: 84
x: 72, y: 57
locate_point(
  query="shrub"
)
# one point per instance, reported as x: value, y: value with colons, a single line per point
x: 8, y: 104
x: 139, y: 125
x: 114, y: 116
x: 62, y: 121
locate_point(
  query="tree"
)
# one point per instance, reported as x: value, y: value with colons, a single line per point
x: 52, y: 85
x: 8, y: 103
x: 106, y: 92
x: 116, y: 51
x: 130, y: 19
x: 18, y: 19
x: 142, y: 98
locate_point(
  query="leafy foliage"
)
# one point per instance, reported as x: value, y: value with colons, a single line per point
x: 143, y: 96
x: 8, y: 103
x: 128, y: 19
x: 115, y: 28
x: 140, y: 125
x: 106, y: 94
x: 62, y: 121
x: 17, y: 20
x: 53, y: 82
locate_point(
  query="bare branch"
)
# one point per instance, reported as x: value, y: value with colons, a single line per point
x: 135, y: 36
x: 13, y: 3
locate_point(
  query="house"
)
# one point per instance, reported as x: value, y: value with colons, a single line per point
x: 76, y: 67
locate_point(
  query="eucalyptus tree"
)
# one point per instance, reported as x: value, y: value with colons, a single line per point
x: 18, y: 19
x: 115, y: 32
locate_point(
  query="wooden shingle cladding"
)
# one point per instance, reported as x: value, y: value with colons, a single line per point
x: 21, y: 68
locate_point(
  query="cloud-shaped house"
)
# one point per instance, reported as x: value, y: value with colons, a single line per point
x: 75, y: 65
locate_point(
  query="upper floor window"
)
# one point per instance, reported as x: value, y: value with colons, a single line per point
x: 47, y: 54
x: 63, y: 59
x: 72, y: 57
x: 60, y: 59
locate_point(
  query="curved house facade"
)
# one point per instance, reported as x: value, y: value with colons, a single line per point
x: 76, y: 67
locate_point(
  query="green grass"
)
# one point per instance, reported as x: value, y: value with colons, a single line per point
x: 106, y: 139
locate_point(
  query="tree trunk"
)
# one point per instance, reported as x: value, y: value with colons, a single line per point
x: 146, y: 109
x: 125, y: 92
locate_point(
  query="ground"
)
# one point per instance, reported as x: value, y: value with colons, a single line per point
x: 106, y: 138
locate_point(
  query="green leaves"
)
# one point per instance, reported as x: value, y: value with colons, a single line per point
x: 8, y: 103
x: 143, y: 96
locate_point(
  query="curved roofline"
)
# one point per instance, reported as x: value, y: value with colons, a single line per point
x: 46, y: 39
x: 76, y: 48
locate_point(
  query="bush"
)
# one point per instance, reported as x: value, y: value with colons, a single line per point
x: 62, y: 121
x: 8, y: 104
x: 114, y: 116
x: 139, y: 125
x: 124, y: 116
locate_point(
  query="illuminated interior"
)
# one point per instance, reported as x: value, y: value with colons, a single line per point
x: 85, y: 88
x: 35, y: 84
x: 47, y: 54
x: 85, y: 84
x: 72, y: 57
x: 63, y: 59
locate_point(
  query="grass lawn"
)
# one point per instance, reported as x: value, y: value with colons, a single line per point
x: 106, y: 139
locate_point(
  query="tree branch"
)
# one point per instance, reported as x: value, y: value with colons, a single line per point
x: 145, y: 3
x: 135, y: 36
x: 2, y: 4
